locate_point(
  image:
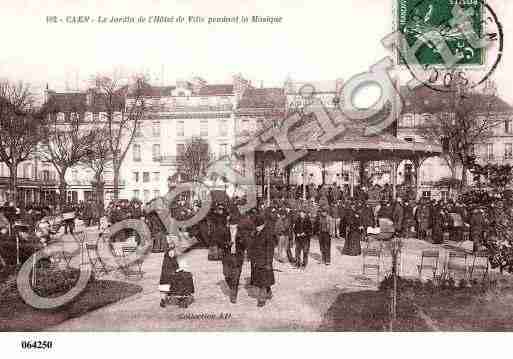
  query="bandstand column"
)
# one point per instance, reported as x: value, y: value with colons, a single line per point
x: 269, y: 186
x: 304, y: 179
x: 417, y: 162
x: 351, y: 179
x: 393, y: 174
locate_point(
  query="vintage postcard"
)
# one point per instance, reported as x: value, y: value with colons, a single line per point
x: 262, y: 166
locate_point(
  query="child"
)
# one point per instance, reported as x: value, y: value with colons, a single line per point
x: 175, y: 281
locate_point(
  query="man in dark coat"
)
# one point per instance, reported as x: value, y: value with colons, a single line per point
x: 322, y: 229
x: 352, y: 244
x: 408, y: 219
x: 397, y: 215
x: 302, y: 231
x: 437, y: 224
x: 477, y: 227
x: 342, y: 212
x: 220, y: 232
x: 261, y: 254
x: 232, y: 262
x: 423, y: 217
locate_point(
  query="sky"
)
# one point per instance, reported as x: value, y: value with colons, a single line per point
x: 316, y: 40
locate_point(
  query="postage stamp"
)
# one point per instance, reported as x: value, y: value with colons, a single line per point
x: 416, y: 18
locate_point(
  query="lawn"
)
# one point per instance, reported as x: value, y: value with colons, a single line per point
x: 470, y: 309
x: 476, y: 308
x: 15, y: 315
x: 368, y: 311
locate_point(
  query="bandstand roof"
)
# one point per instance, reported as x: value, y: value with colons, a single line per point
x: 350, y: 144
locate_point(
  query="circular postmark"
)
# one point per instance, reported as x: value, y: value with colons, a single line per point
x: 456, y: 42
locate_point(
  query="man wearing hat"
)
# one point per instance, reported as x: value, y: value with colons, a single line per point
x: 302, y: 231
x: 477, y: 227
x: 234, y: 256
x: 323, y: 231
x: 282, y: 228
x: 261, y: 253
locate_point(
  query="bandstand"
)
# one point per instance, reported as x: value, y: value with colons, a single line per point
x: 351, y: 146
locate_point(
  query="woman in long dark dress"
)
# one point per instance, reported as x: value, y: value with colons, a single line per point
x: 352, y: 245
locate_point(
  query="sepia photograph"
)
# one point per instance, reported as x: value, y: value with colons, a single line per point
x: 255, y: 166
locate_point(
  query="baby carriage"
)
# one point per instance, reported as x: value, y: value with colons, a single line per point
x: 176, y: 283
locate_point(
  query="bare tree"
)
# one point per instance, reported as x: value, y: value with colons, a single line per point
x: 99, y: 159
x: 124, y: 105
x: 193, y: 162
x: 460, y: 120
x: 20, y: 125
x: 69, y: 138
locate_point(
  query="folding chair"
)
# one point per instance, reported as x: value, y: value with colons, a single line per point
x: 429, y: 260
x: 480, y: 262
x: 128, y: 265
x: 375, y: 264
x: 80, y: 237
x: 95, y: 260
x: 454, y: 264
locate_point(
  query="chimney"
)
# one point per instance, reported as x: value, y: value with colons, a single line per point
x: 288, y: 85
x: 240, y: 85
x: 197, y: 84
x: 339, y: 83
x: 46, y: 94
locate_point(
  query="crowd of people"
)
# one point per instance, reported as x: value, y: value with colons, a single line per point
x: 283, y: 229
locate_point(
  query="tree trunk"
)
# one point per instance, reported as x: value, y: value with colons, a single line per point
x: 463, y: 176
x: 99, y: 194
x: 116, y: 168
x: 13, y: 182
x: 62, y: 187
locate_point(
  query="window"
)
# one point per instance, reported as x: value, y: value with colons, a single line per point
x: 146, y: 177
x: 426, y: 194
x: 244, y: 126
x: 507, y: 126
x: 136, y: 177
x: 180, y: 149
x: 146, y: 195
x: 136, y: 193
x: 472, y: 149
x: 489, y: 151
x: 407, y: 121
x: 155, y: 150
x: 408, y: 139
x: 223, y: 128
x: 156, y: 193
x: 156, y: 176
x: 180, y: 128
x: 508, y: 150
x: 137, y: 152
x: 96, y: 116
x: 223, y: 149
x: 156, y: 129
x: 138, y: 131
x: 204, y: 128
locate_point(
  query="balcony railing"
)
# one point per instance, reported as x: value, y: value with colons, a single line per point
x: 495, y: 159
x: 199, y: 108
